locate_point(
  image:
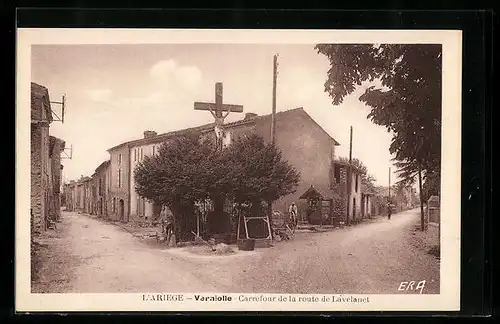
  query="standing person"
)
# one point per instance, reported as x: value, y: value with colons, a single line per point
x: 292, y: 212
x: 389, y: 210
x: 166, y: 224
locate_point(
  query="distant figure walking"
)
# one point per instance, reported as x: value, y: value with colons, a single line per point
x: 292, y: 212
x: 389, y: 210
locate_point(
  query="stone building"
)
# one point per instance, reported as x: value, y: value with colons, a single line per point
x: 366, y: 204
x: 80, y: 196
x: 56, y: 147
x: 100, y: 179
x: 140, y: 209
x: 83, y: 195
x: 119, y: 183
x: 70, y: 196
x: 87, y: 201
x: 349, y: 199
x: 46, y: 165
x: 307, y: 146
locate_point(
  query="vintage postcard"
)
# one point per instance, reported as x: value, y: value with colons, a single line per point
x: 238, y: 170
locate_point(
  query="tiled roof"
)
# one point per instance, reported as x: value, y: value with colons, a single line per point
x: 102, y: 165
x: 207, y: 127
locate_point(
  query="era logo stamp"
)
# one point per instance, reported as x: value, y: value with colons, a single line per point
x: 408, y: 285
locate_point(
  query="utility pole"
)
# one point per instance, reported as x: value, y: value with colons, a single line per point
x: 273, y: 114
x: 273, y: 135
x: 389, y: 205
x: 349, y: 178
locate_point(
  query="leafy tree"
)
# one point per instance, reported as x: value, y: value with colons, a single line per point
x: 179, y: 175
x: 408, y: 102
x: 432, y: 185
x: 259, y: 172
x: 188, y: 169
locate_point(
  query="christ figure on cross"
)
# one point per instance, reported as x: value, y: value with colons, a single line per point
x: 217, y: 110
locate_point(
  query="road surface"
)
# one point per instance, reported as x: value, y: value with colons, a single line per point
x: 91, y: 256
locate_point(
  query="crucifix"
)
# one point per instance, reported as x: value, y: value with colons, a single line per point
x: 219, y: 111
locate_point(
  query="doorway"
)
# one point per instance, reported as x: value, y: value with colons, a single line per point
x: 121, y: 210
x: 354, y: 208
x: 363, y: 205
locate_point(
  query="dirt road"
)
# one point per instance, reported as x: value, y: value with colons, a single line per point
x: 374, y: 257
x: 90, y: 256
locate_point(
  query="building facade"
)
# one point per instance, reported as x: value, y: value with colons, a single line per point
x: 140, y: 208
x: 348, y: 201
x: 56, y: 147
x: 41, y: 117
x: 71, y: 197
x: 119, y: 182
x: 101, y: 189
x: 303, y: 143
x: 46, y: 168
x: 80, y: 197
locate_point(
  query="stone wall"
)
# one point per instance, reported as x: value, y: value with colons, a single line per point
x: 37, y: 182
x: 57, y: 146
x: 340, y: 200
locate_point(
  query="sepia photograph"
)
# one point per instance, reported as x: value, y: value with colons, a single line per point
x: 216, y: 172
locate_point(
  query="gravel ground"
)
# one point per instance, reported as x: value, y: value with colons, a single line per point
x: 88, y: 255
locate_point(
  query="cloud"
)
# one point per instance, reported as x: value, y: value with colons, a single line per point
x: 163, y: 68
x: 189, y: 76
x: 99, y: 95
x: 179, y: 77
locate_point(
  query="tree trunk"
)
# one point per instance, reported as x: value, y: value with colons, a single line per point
x: 177, y: 215
x: 270, y: 213
x: 422, y: 216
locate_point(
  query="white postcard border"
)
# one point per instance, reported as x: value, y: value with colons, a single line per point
x: 448, y: 299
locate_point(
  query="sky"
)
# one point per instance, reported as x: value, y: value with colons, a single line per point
x: 116, y: 92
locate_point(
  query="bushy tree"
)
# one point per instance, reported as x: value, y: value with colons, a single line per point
x: 179, y: 175
x: 259, y: 172
x: 408, y: 103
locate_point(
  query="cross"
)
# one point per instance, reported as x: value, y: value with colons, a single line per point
x: 217, y: 109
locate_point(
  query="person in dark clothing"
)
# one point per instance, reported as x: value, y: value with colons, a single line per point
x: 389, y: 210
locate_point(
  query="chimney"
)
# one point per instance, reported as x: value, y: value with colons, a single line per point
x: 250, y: 116
x: 149, y: 134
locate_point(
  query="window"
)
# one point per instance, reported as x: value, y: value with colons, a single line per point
x: 153, y: 150
x: 119, y: 159
x: 114, y: 205
x: 119, y: 178
x: 337, y: 173
x: 356, y: 183
x: 135, y: 155
x: 141, y: 154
